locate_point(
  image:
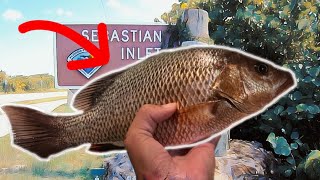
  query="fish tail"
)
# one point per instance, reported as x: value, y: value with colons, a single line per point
x: 35, y: 131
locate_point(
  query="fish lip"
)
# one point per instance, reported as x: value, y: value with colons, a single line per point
x: 286, y: 85
x: 233, y: 102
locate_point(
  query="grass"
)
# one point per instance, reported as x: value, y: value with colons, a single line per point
x: 64, y: 108
x: 69, y: 162
x: 74, y: 164
x: 10, y: 156
x: 28, y: 176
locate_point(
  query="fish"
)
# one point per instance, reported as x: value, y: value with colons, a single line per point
x: 215, y: 88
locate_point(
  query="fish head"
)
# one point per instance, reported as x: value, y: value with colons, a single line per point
x: 250, y: 84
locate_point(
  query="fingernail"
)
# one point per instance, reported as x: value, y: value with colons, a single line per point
x: 170, y: 105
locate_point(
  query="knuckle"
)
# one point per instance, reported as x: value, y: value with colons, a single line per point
x: 128, y: 139
x: 201, y: 174
x: 131, y: 138
x: 160, y: 172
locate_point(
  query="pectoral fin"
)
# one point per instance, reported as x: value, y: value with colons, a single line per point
x: 189, y: 125
x: 198, y: 122
x: 214, y: 116
x: 200, y: 113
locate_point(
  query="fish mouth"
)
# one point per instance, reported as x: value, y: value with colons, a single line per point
x: 286, y: 85
x: 219, y: 95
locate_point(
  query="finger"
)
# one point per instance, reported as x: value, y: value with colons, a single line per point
x: 206, y: 149
x: 147, y: 154
x: 150, y: 115
x: 185, y: 151
x: 204, y: 155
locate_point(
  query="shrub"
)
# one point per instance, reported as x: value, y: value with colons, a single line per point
x: 295, y: 121
x: 288, y: 33
x: 39, y: 169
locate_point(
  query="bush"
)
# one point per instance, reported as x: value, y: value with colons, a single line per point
x: 295, y: 121
x: 39, y: 169
x: 288, y: 33
x: 310, y: 166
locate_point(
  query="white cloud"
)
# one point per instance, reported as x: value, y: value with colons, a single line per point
x: 12, y: 15
x: 122, y: 7
x: 156, y: 8
x: 63, y: 12
x: 142, y: 10
x: 114, y: 3
x: 58, y: 12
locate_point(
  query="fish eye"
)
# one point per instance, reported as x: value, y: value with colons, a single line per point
x: 261, y: 68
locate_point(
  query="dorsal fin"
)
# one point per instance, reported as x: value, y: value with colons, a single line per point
x: 88, y: 96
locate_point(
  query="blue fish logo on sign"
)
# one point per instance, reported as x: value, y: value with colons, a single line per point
x: 81, y: 54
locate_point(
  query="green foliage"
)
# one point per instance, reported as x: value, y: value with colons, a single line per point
x: 84, y: 172
x: 288, y: 33
x: 2, y: 78
x: 277, y: 30
x: 312, y: 165
x: 173, y: 16
x: 39, y: 169
x: 178, y: 34
x: 43, y: 170
x: 279, y: 144
x: 295, y: 119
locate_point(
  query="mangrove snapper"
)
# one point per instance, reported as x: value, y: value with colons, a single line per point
x: 215, y: 89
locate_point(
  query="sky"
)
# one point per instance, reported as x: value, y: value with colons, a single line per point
x: 33, y: 53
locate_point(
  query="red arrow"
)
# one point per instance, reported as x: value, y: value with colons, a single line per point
x: 100, y: 56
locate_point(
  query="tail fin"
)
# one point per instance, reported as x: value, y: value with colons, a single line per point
x: 35, y: 131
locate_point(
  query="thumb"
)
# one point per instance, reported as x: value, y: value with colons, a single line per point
x: 145, y: 153
x: 204, y: 155
x: 203, y: 151
x: 149, y: 116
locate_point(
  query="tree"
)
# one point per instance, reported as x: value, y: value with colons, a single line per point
x: 2, y: 79
x: 156, y: 20
x: 2, y: 75
x: 172, y: 16
x: 280, y: 31
x: 288, y: 33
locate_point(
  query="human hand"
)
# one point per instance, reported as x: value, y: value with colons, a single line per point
x: 151, y: 160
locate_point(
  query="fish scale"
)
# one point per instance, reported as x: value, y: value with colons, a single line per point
x: 146, y: 84
x: 214, y: 89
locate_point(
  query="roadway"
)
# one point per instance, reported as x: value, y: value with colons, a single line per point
x: 9, y: 98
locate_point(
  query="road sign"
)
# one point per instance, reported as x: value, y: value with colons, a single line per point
x: 127, y: 44
x: 97, y: 173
